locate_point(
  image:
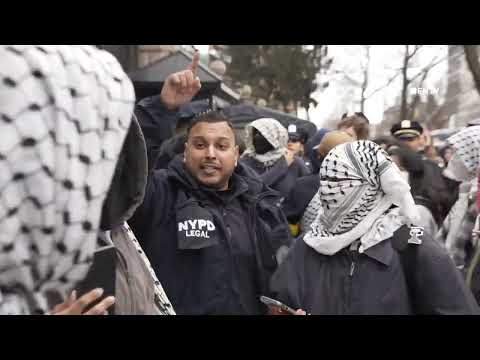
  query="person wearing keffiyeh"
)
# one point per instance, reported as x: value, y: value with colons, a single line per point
x: 356, y: 260
x: 64, y: 114
x: 304, y: 201
x: 457, y: 227
x: 266, y: 152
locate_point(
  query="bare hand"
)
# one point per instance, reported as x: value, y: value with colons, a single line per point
x: 181, y: 87
x: 275, y: 310
x: 77, y: 307
x: 289, y: 156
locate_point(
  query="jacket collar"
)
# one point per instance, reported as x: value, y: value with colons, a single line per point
x: 382, y: 252
x: 242, y: 181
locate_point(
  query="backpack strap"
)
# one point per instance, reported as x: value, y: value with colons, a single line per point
x: 406, y: 242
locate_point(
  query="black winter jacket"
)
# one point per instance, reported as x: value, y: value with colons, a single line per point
x: 157, y: 124
x: 374, y: 282
x: 280, y: 176
x: 300, y: 196
x: 213, y: 253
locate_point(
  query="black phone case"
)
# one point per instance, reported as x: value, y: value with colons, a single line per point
x: 102, y: 274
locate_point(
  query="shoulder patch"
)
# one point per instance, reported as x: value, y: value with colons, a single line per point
x: 416, y: 235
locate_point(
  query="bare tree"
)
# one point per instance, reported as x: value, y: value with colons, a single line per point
x: 359, y: 78
x: 388, y: 83
x: 471, y: 55
x: 407, y: 58
x: 416, y: 98
x: 366, y: 69
x: 407, y: 108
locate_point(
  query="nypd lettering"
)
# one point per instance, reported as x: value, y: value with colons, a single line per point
x: 199, y: 228
x: 195, y: 224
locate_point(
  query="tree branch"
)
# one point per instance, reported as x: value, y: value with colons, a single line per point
x: 417, y: 96
x: 429, y: 67
x: 412, y: 54
x: 348, y: 77
x: 384, y: 86
x: 365, y: 78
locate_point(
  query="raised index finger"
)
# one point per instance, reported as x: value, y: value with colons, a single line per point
x: 194, y: 64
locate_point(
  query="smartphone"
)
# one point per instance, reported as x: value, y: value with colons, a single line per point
x: 102, y: 274
x: 272, y: 302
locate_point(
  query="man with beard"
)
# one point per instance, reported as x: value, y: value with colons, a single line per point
x: 210, y: 228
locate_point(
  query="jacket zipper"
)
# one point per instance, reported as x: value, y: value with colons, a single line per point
x: 351, y: 257
x: 232, y: 266
x: 352, y: 268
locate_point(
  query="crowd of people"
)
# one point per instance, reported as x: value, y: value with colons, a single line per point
x: 158, y: 206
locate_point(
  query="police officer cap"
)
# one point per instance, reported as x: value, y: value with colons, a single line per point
x: 296, y: 134
x: 406, y: 129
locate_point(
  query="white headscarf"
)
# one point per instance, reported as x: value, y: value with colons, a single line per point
x: 64, y: 114
x: 358, y: 185
x: 276, y: 135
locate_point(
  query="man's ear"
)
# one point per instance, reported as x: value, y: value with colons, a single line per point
x: 237, y: 154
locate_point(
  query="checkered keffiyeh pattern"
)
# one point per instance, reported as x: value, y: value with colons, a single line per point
x: 64, y: 114
x: 358, y: 185
x: 467, y: 147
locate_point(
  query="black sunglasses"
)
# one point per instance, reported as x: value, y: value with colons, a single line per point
x: 359, y: 114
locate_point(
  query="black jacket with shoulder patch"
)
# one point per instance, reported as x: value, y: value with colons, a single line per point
x: 213, y: 253
x: 374, y: 282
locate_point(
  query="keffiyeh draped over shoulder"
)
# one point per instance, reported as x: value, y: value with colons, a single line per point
x: 64, y: 114
x: 276, y: 135
x: 456, y: 228
x: 466, y: 144
x: 358, y: 185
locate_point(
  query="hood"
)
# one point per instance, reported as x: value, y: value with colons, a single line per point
x: 169, y: 149
x: 130, y: 179
x: 274, y: 132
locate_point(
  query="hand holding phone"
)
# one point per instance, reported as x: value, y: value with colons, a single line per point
x: 101, y: 275
x: 277, y: 305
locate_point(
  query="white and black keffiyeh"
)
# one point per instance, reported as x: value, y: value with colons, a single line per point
x: 466, y: 145
x: 276, y: 135
x: 462, y: 167
x: 358, y: 185
x: 64, y: 114
x: 310, y: 213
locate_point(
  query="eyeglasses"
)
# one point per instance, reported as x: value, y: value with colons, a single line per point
x: 359, y: 114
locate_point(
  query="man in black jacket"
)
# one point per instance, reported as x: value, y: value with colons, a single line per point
x: 409, y: 134
x: 210, y: 229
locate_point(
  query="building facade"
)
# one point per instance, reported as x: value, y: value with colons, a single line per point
x: 462, y: 99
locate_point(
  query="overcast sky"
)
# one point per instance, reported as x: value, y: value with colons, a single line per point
x: 383, y: 64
